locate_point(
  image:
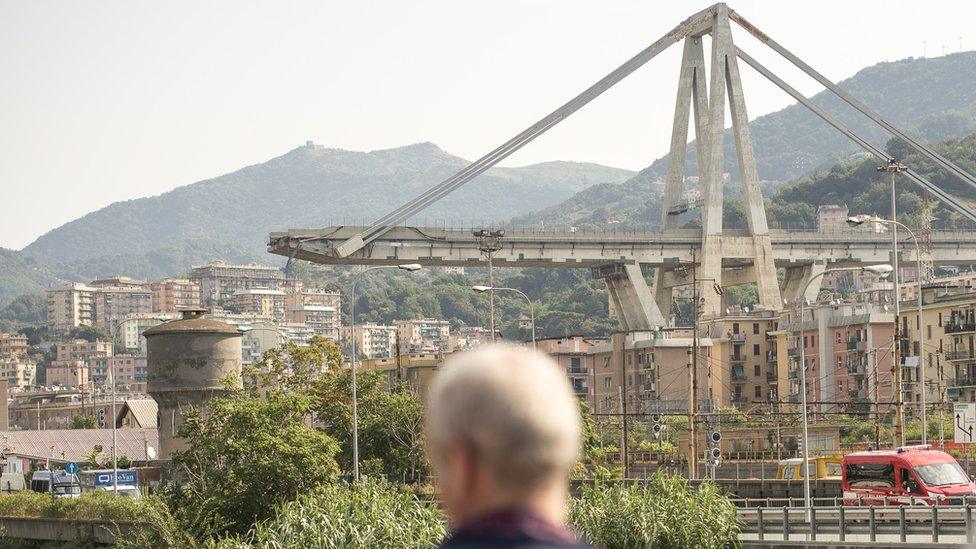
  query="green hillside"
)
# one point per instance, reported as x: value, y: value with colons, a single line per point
x: 635, y: 205
x: 934, y: 98
x: 310, y: 187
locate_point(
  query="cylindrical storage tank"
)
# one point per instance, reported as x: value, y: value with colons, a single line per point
x: 189, y: 361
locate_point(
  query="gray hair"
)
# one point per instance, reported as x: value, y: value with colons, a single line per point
x: 513, y: 406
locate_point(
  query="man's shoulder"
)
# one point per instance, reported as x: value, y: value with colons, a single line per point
x: 502, y: 542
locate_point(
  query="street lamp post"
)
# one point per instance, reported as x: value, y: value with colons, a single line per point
x: 409, y: 267
x: 860, y: 220
x: 801, y: 371
x: 115, y: 460
x: 483, y: 289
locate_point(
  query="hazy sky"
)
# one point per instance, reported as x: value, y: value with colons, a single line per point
x: 107, y: 101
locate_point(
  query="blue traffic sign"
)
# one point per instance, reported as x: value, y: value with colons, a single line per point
x: 71, y: 468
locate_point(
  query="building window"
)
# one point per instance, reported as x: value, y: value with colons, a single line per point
x: 758, y: 391
x: 755, y: 327
x: 838, y: 337
x: 755, y: 349
x: 607, y: 382
x: 735, y: 327
x: 574, y: 362
x: 804, y: 342
x: 756, y: 371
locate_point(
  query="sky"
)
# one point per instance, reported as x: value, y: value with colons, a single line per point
x: 115, y: 100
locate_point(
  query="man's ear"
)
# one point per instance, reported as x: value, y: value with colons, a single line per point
x: 466, y: 464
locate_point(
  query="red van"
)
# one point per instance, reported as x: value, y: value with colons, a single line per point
x: 906, y: 475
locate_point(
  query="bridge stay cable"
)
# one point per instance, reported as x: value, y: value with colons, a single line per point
x: 839, y: 126
x: 852, y: 101
x: 688, y: 27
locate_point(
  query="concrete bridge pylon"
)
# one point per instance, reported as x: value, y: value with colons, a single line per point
x: 705, y: 97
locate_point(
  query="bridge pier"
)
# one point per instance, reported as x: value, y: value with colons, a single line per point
x: 796, y: 277
x: 631, y: 296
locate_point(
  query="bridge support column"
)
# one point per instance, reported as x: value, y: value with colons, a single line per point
x: 631, y: 296
x: 797, y: 277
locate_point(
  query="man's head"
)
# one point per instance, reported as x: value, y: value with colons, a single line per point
x: 502, y: 431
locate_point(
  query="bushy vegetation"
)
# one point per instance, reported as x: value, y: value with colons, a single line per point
x: 662, y: 511
x: 369, y: 514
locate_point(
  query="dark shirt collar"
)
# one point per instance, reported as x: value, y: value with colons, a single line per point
x: 519, y: 522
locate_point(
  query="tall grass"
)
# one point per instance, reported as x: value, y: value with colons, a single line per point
x: 662, y: 511
x: 368, y: 514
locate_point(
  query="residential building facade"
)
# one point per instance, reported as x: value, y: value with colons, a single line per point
x: 69, y: 306
x: 12, y: 345
x: 424, y: 335
x: 372, y: 340
x: 219, y: 281
x: 170, y: 295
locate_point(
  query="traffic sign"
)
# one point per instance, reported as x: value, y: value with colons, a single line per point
x: 964, y: 425
x: 71, y: 468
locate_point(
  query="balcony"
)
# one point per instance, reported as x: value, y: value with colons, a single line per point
x: 960, y: 327
x: 963, y: 381
x: 770, y: 356
x: 738, y: 373
x: 793, y: 352
x: 856, y: 345
x: 737, y: 339
x: 737, y: 358
x: 770, y: 377
x: 960, y: 354
x: 856, y: 368
x: 580, y: 390
x: 576, y: 371
x: 649, y: 386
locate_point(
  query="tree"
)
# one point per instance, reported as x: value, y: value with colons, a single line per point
x: 85, y: 421
x: 295, y: 366
x: 390, y: 423
x: 245, y: 456
x: 89, y: 333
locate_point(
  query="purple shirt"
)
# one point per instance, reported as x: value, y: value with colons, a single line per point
x: 512, y: 528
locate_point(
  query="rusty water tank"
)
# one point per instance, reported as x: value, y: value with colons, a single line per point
x: 189, y: 361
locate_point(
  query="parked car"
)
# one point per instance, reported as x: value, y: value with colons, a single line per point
x: 823, y: 467
x: 909, y: 475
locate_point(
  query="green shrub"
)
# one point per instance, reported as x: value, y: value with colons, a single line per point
x: 662, y: 511
x: 368, y: 514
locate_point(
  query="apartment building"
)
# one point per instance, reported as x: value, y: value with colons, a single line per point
x: 847, y: 354
x: 170, y: 295
x: 320, y: 310
x: 68, y: 373
x: 416, y: 370
x: 262, y: 302
x: 219, y: 281
x: 111, y: 304
x: 744, y: 344
x: 18, y: 372
x: 69, y: 306
x: 645, y: 372
x: 948, y: 331
x: 12, y: 345
x: 372, y: 340
x: 468, y: 337
x: 572, y: 353
x: 424, y: 335
x: 131, y: 328
x: 131, y: 372
x: 80, y: 349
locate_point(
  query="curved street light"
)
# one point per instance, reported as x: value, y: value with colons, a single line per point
x: 115, y: 460
x: 858, y: 220
x: 880, y: 270
x: 482, y: 289
x: 409, y: 267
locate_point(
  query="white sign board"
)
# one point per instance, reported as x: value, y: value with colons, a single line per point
x: 964, y: 423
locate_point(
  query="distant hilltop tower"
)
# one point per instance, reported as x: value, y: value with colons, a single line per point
x: 189, y: 362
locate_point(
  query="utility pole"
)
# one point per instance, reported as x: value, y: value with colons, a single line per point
x: 875, y: 408
x: 893, y: 168
x: 693, y: 380
x: 489, y: 242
